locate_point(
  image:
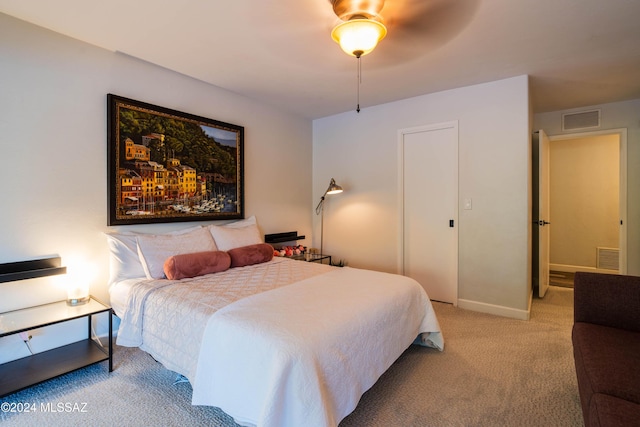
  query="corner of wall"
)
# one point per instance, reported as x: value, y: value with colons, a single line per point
x: 497, y: 310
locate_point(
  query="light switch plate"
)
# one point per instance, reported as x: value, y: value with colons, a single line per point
x: 468, y: 204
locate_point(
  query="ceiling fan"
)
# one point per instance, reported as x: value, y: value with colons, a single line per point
x: 412, y: 24
x: 363, y: 23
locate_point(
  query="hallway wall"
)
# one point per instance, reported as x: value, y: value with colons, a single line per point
x: 584, y: 199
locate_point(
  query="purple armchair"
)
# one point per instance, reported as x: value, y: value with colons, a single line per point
x: 606, y: 348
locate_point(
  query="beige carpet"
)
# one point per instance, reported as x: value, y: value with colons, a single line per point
x: 494, y: 372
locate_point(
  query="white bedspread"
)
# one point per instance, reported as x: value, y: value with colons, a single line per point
x: 167, y: 318
x: 303, y: 355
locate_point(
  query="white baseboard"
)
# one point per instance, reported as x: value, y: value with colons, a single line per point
x: 498, y: 310
x: 575, y: 268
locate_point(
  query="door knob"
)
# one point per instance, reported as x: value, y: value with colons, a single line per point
x: 543, y: 222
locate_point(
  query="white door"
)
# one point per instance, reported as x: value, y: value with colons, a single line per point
x: 541, y: 213
x: 429, y: 206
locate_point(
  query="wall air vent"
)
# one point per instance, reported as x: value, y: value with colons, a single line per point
x: 607, y: 258
x: 581, y: 120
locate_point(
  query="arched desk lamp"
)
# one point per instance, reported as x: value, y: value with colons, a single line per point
x: 332, y: 189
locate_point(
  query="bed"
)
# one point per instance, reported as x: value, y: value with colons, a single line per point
x: 269, y: 340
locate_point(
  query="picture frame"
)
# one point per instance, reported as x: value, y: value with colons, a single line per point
x: 165, y: 165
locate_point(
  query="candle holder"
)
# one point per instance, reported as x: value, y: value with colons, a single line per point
x: 77, y: 295
x: 77, y: 301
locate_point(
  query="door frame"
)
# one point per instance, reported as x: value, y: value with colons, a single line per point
x: 622, y: 134
x: 400, y: 202
x: 540, y: 202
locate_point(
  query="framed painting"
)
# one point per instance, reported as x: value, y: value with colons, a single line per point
x: 168, y: 166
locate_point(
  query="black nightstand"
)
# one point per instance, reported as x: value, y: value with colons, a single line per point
x: 39, y: 367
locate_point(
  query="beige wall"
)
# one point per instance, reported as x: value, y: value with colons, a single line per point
x: 584, y: 199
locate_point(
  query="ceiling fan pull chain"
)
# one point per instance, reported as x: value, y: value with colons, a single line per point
x: 359, y: 81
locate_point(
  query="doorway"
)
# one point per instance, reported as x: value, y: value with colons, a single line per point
x: 587, y: 204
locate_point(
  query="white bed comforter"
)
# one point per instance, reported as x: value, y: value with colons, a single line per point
x: 303, y: 355
x: 167, y: 318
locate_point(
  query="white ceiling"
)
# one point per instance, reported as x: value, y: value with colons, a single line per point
x: 577, y: 52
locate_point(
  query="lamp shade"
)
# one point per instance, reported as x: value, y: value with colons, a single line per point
x: 359, y: 36
x: 334, y: 188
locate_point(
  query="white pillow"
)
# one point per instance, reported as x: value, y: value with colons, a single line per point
x: 241, y: 223
x: 155, y: 249
x: 124, y: 261
x: 236, y: 234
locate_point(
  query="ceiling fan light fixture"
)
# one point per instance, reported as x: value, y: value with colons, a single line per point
x: 358, y: 36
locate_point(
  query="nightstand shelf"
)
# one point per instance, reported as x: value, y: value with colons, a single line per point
x: 312, y: 258
x: 22, y: 373
x: 27, y: 371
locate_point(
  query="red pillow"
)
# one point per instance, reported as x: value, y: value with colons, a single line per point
x: 196, y: 264
x: 252, y: 254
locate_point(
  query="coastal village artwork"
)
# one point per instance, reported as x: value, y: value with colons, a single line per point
x: 167, y: 166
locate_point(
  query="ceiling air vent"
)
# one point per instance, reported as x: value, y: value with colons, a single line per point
x: 581, y: 120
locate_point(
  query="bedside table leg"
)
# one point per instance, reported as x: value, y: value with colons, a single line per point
x: 110, y: 341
